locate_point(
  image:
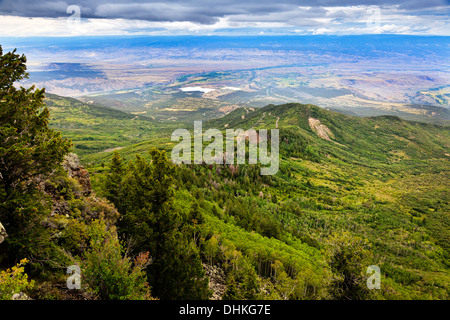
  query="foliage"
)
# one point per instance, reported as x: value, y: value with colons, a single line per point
x: 376, y: 193
x: 108, y: 273
x: 348, y: 256
x: 143, y: 190
x: 94, y: 128
x: 29, y: 152
x: 366, y: 183
x: 14, y: 280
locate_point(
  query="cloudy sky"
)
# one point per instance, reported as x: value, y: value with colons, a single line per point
x: 223, y: 17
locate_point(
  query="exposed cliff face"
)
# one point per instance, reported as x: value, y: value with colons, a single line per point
x: 73, y: 197
x: 74, y: 170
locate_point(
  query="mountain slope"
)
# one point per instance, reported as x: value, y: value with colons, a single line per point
x: 381, y: 178
x: 95, y: 128
x: 369, y: 142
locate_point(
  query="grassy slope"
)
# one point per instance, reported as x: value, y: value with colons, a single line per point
x: 94, y: 128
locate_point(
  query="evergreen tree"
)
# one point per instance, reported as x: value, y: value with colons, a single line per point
x: 232, y: 291
x: 29, y: 152
x: 348, y: 257
x: 250, y: 284
x: 151, y: 222
x: 114, y: 182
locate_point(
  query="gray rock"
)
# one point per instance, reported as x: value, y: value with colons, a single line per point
x: 20, y: 296
x: 216, y: 281
x: 71, y: 162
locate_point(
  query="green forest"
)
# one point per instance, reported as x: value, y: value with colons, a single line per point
x: 88, y: 186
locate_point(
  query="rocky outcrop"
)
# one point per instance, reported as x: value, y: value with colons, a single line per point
x: 20, y: 296
x: 60, y: 208
x: 72, y: 197
x: 320, y: 129
x: 74, y: 170
x: 216, y: 281
x: 91, y: 207
x: 3, y: 233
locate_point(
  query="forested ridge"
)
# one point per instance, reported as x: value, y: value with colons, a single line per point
x: 373, y: 191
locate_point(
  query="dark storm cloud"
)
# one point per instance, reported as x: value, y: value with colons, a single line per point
x: 197, y: 11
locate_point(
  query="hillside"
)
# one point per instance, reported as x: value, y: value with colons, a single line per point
x: 380, y: 178
x: 378, y: 141
x: 351, y: 192
x: 95, y: 128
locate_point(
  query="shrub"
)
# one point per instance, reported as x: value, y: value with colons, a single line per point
x: 14, y: 280
x: 108, y: 273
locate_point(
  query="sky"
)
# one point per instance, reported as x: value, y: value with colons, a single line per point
x: 20, y: 18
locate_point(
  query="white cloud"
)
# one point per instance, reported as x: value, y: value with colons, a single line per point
x: 300, y: 20
x: 322, y: 31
